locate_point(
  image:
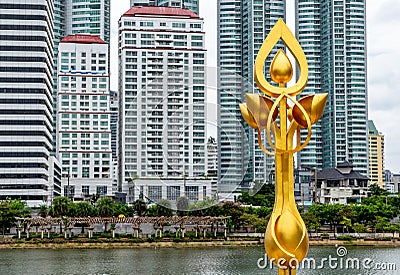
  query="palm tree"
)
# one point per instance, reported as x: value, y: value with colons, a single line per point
x: 60, y: 206
x: 140, y: 207
x: 105, y: 207
x: 85, y: 209
x: 43, y: 211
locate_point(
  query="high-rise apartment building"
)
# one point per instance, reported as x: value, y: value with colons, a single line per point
x: 333, y: 36
x: 188, y: 4
x: 26, y: 68
x: 83, y: 117
x: 78, y: 17
x: 242, y: 27
x: 376, y: 155
x: 162, y: 102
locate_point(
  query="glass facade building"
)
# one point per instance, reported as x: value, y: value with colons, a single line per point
x: 333, y: 36
x: 242, y: 28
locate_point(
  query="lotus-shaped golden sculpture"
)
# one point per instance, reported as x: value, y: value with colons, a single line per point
x: 286, y: 238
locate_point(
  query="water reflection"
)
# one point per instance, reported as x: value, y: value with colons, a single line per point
x: 230, y: 260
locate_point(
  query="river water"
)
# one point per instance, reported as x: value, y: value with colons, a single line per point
x: 225, y: 260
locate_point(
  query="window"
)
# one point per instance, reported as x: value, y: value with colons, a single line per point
x: 85, y: 190
x: 192, y: 192
x: 173, y: 192
x: 71, y: 191
x: 155, y: 193
x: 85, y: 172
x: 101, y: 190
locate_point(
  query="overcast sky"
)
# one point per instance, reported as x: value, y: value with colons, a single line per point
x: 383, y: 27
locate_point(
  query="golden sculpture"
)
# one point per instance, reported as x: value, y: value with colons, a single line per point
x: 286, y: 238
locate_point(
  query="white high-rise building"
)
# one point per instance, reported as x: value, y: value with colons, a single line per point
x: 78, y: 17
x: 333, y: 37
x: 162, y: 101
x: 242, y: 27
x: 26, y: 68
x: 83, y: 118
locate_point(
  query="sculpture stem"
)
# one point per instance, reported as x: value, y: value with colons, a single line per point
x: 286, y: 271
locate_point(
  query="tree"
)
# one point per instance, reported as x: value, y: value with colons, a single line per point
x: 328, y: 214
x: 182, y: 205
x: 164, y: 208
x: 94, y: 198
x: 263, y: 212
x: 105, y: 207
x: 7, y: 216
x: 60, y: 207
x: 9, y: 210
x: 234, y: 210
x: 85, y: 209
x: 206, y: 207
x: 359, y: 228
x: 152, y: 211
x: 211, y: 209
x: 259, y: 224
x: 140, y: 207
x: 21, y: 208
x: 123, y: 209
x: 43, y: 211
x: 261, y: 195
x: 376, y: 190
x: 381, y: 224
x: 311, y: 221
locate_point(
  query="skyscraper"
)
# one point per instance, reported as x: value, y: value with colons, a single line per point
x: 242, y: 27
x: 376, y: 155
x: 83, y: 117
x: 26, y: 68
x: 188, y: 4
x: 333, y: 36
x: 162, y: 102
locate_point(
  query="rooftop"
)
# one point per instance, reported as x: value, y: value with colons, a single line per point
x: 83, y: 39
x: 336, y: 174
x: 161, y: 11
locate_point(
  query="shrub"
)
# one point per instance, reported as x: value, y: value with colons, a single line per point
x: 151, y: 239
x: 345, y: 238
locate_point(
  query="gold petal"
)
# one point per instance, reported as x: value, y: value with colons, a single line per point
x: 314, y: 106
x: 270, y: 103
x: 248, y: 117
x: 259, y: 107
